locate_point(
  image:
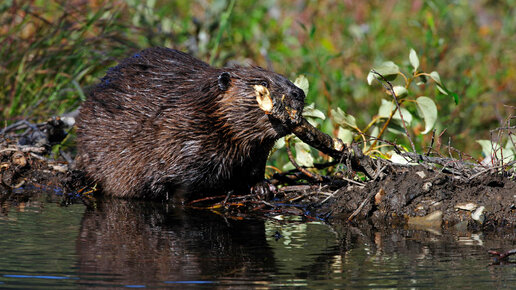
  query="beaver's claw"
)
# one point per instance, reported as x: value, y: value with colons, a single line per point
x: 264, y: 190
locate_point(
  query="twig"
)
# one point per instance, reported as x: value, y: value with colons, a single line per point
x: 467, y: 155
x: 391, y: 89
x: 295, y: 188
x: 364, y: 202
x: 439, y: 140
x: 431, y: 143
x: 491, y: 168
x: 206, y: 199
x: 383, y: 128
x: 320, y: 141
x: 503, y: 256
x: 313, y: 176
x: 449, y: 148
x: 379, y: 171
x: 32, y: 149
x: 297, y: 197
x: 352, y: 181
x: 228, y: 195
x: 328, y: 197
x: 268, y: 203
x: 20, y: 125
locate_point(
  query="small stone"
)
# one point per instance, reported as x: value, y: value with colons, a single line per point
x: 469, y: 206
x: 60, y: 168
x: 19, y: 159
x: 478, y: 214
x: 434, y: 219
x: 421, y: 174
x: 427, y: 186
x: 379, y: 196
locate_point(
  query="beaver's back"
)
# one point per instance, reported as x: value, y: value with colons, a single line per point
x: 120, y: 123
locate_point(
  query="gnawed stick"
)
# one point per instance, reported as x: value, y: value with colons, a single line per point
x: 334, y: 147
x: 502, y: 256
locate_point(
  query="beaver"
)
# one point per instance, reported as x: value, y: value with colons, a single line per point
x: 163, y: 122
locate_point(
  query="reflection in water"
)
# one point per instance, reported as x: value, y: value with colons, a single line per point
x: 136, y: 242
x: 403, y: 258
x: 129, y: 243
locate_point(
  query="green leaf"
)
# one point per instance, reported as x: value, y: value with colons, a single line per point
x: 486, y: 145
x: 449, y: 93
x: 311, y: 112
x: 395, y: 127
x: 280, y: 143
x: 400, y: 91
x: 370, y: 78
x: 435, y: 76
x: 407, y: 116
x: 345, y: 135
x: 302, y: 83
x: 509, y: 152
x: 386, y: 109
x: 440, y: 86
x: 343, y: 119
x: 303, y: 156
x: 493, y: 150
x: 442, y: 90
x: 510, y: 144
x: 414, y: 60
x: 398, y: 159
x: 288, y: 166
x: 375, y: 131
x: 428, y: 111
x: 389, y: 70
x: 312, y: 31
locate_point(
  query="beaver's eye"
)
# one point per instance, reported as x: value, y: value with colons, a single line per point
x: 265, y: 84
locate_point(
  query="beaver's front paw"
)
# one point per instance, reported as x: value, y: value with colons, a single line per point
x: 264, y: 190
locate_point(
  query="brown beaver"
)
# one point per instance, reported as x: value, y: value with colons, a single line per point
x: 163, y: 122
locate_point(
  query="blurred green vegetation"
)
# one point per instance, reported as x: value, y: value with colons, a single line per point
x: 52, y: 51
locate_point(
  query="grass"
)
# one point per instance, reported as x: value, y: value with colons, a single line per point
x: 52, y: 51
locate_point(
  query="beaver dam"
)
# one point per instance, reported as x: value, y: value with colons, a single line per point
x: 437, y: 193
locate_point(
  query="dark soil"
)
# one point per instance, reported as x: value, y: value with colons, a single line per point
x: 426, y: 198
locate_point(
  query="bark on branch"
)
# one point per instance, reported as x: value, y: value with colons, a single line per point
x: 335, y: 148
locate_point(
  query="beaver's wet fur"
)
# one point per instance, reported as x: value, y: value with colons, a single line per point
x: 162, y: 123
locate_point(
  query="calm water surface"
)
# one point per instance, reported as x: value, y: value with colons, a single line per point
x: 154, y: 245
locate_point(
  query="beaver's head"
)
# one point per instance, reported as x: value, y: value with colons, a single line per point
x: 265, y: 95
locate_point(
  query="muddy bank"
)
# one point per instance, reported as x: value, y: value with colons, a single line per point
x: 23, y: 172
x: 423, y: 198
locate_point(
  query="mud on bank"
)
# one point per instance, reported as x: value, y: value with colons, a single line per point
x: 424, y: 198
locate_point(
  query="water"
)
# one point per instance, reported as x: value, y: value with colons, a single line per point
x: 154, y: 245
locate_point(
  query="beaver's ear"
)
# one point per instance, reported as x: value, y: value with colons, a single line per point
x: 224, y: 81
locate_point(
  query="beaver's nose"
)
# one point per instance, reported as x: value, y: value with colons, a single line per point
x: 297, y: 94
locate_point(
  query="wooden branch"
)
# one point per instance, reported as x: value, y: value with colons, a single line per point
x: 334, y: 147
